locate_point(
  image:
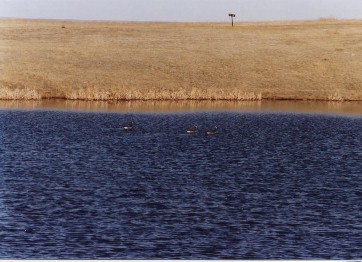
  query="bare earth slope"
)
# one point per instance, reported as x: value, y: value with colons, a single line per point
x: 316, y: 60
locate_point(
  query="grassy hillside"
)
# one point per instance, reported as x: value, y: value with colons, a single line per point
x: 316, y: 60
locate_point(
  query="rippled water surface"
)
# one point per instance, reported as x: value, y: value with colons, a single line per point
x: 266, y: 186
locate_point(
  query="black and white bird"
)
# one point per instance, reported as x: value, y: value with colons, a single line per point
x: 192, y: 130
x: 128, y: 126
x: 211, y: 131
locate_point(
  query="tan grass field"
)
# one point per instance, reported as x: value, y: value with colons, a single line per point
x: 307, y: 60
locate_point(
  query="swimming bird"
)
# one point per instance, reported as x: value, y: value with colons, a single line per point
x: 211, y: 131
x: 128, y: 126
x: 192, y: 130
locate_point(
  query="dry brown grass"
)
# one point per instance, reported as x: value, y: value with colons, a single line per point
x: 307, y: 60
x: 7, y: 93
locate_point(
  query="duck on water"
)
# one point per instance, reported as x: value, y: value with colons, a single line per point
x: 207, y: 132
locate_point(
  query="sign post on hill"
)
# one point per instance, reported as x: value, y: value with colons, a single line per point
x: 232, y: 19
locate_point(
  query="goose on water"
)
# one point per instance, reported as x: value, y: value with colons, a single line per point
x: 192, y: 130
x: 211, y: 131
x: 128, y: 126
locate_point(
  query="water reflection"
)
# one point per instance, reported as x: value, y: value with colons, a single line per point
x: 340, y: 108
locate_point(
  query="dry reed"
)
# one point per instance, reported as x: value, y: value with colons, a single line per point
x: 18, y: 94
x: 335, y: 97
x: 92, y: 93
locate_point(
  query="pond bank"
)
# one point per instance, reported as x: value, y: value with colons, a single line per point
x: 310, y: 107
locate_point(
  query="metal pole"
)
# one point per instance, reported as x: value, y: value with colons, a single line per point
x: 232, y: 19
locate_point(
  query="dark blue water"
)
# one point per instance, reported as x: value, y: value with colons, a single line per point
x: 267, y: 186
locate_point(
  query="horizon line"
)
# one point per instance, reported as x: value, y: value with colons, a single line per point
x: 162, y: 21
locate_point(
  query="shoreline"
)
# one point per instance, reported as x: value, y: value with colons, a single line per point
x: 248, y: 97
x: 310, y: 107
x: 186, y: 100
x: 335, y: 98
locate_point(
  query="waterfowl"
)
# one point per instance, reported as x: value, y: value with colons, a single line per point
x: 192, y: 130
x: 128, y: 126
x: 211, y: 131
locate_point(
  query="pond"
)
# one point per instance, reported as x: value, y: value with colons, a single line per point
x: 267, y: 185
